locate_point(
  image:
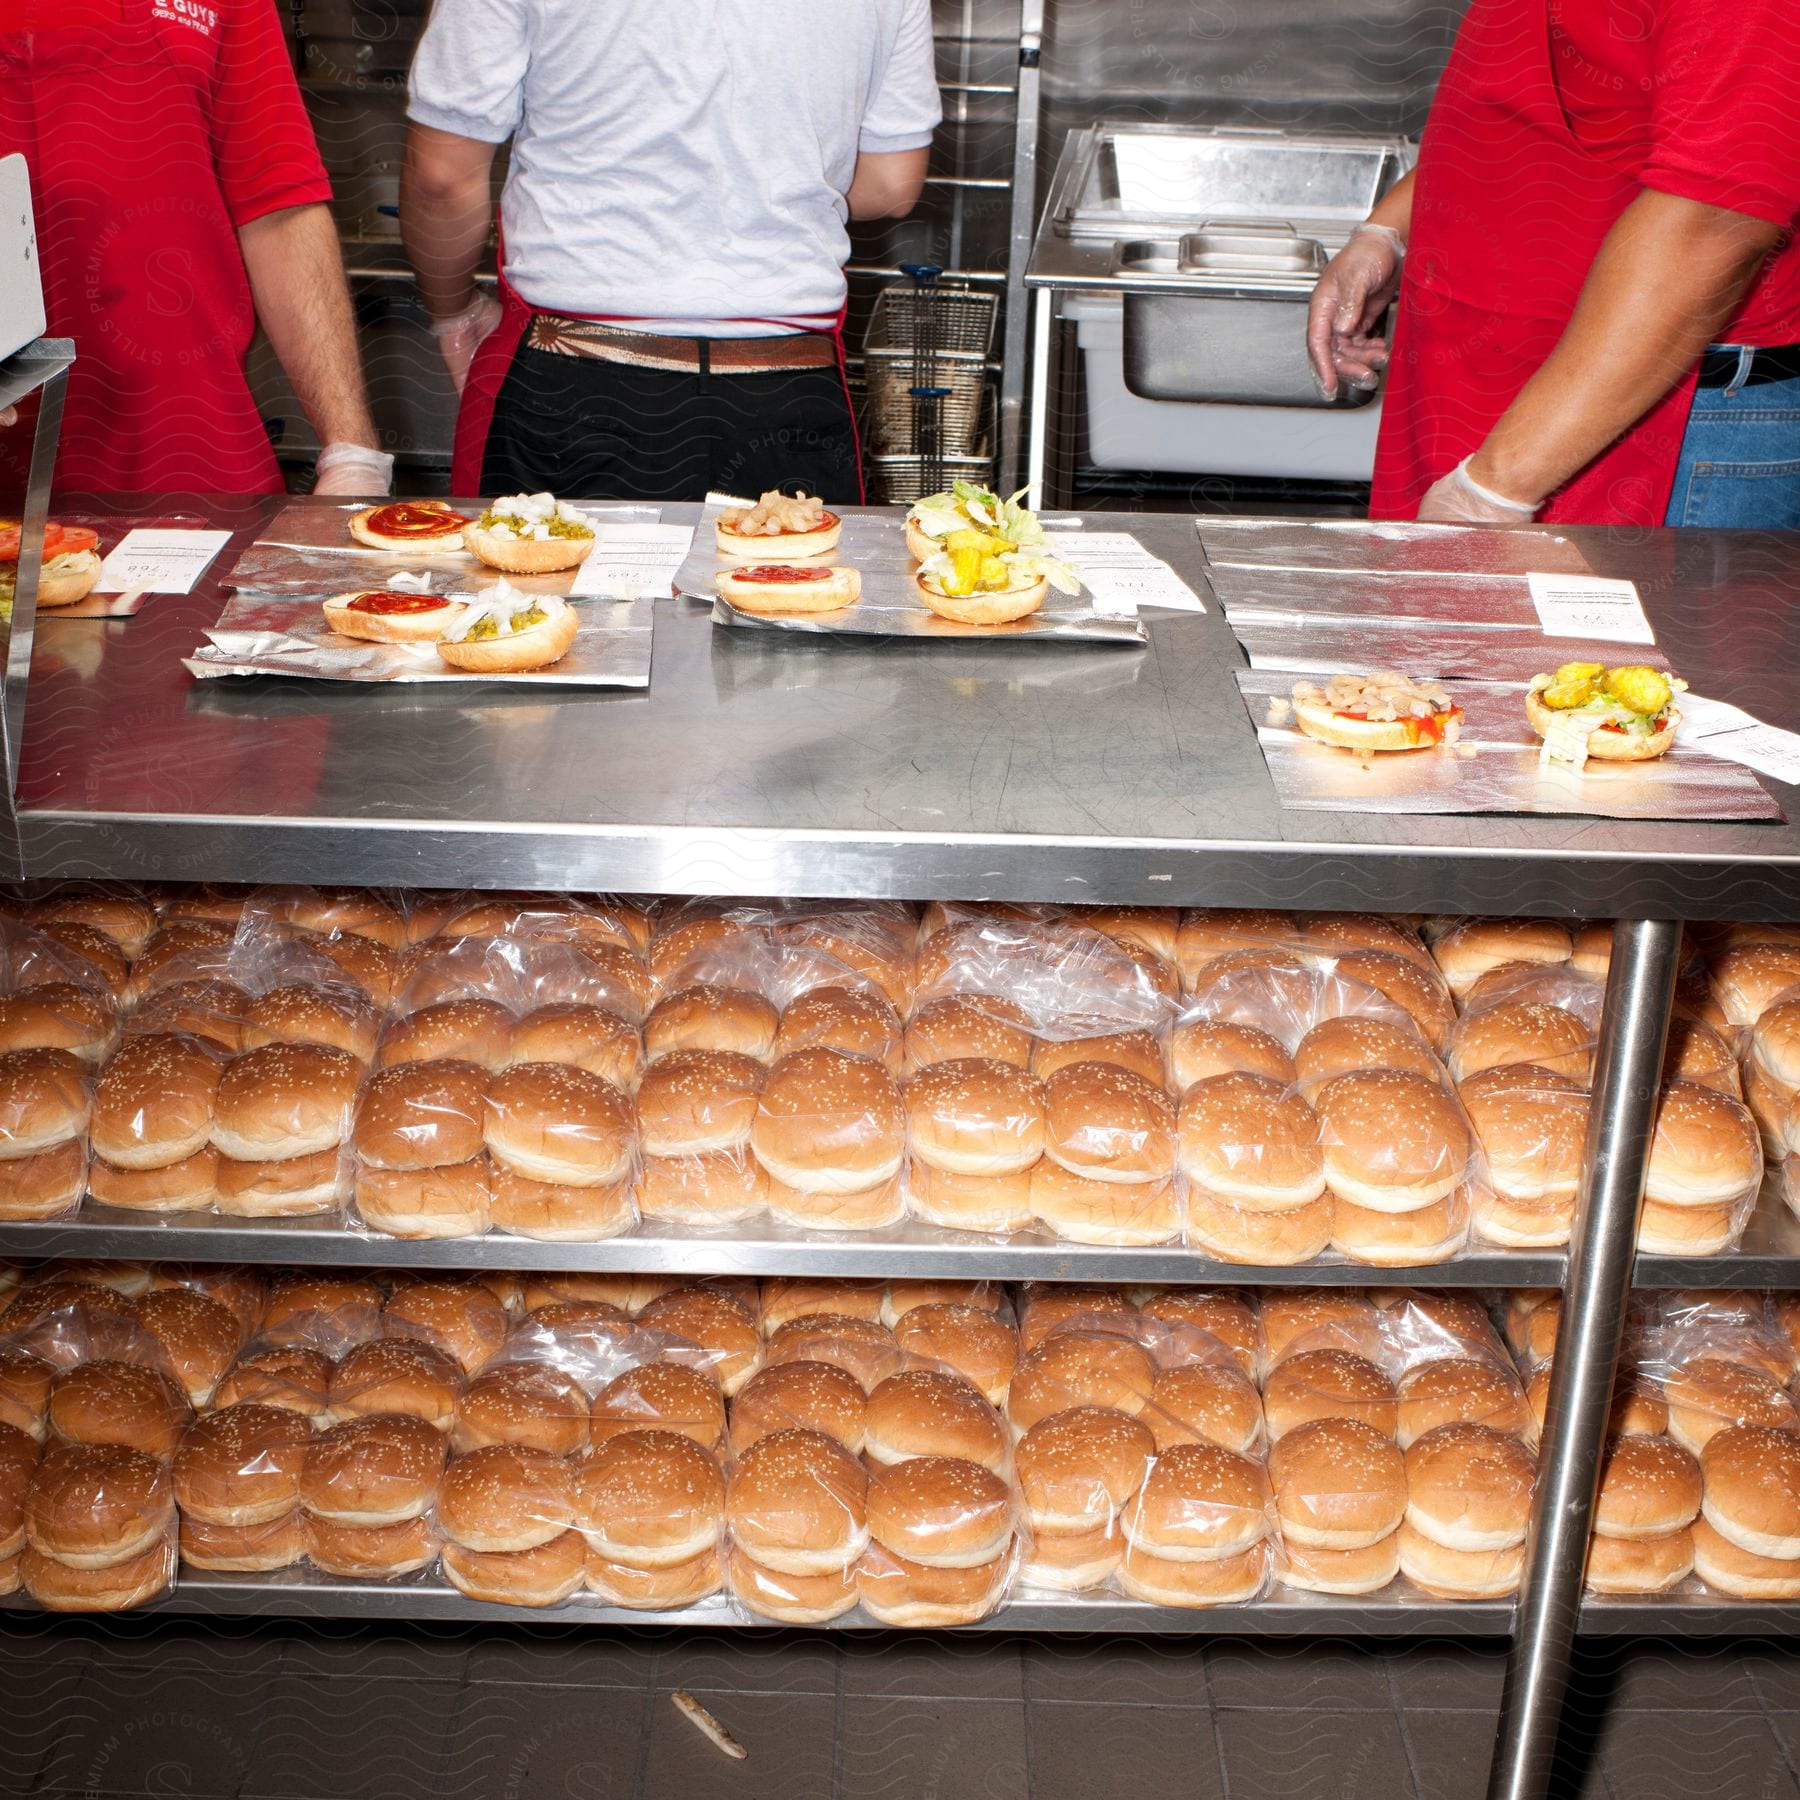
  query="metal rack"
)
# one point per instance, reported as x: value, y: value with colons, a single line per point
x: 991, y: 771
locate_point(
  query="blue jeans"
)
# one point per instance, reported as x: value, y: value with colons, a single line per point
x: 1740, y: 459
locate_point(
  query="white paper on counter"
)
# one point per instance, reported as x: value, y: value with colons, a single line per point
x: 1727, y: 731
x: 159, y: 562
x: 1588, y: 606
x: 1121, y: 574
x: 632, y: 559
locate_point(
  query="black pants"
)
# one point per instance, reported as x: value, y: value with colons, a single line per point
x: 574, y: 425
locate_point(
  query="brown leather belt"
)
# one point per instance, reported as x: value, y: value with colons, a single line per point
x: 562, y: 336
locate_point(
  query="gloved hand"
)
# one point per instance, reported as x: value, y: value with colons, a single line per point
x: 9, y: 415
x: 1358, y: 286
x: 461, y: 335
x: 1459, y: 499
x: 353, y: 469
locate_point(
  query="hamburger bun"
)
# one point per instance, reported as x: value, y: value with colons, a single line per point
x: 1469, y: 1488
x: 768, y: 587
x: 791, y: 1597
x: 855, y: 1020
x: 1392, y: 1141
x: 423, y: 622
x: 716, y: 1324
x: 154, y: 1102
x: 1708, y: 1395
x: 1406, y: 1240
x: 695, y: 1102
x: 504, y: 1498
x: 1205, y: 1403
x: 369, y: 1552
x: 119, y: 1403
x: 460, y: 1318
x: 48, y: 1184
x: 1328, y: 1384
x: 1225, y: 1317
x: 25, y: 1382
x: 1080, y: 1368
x: 796, y: 1504
x: 1349, y: 1043
x: 992, y: 1204
x: 1202, y: 1048
x: 1639, y: 1565
x: 706, y: 1016
x: 552, y: 1122
x: 381, y: 1470
x: 679, y: 1585
x: 1705, y: 1152
x: 922, y: 1412
x: 301, y: 1013
x: 1366, y: 1570
x: 1532, y: 1127
x: 1297, y: 1319
x: 43, y: 1101
x: 1461, y: 1391
x: 396, y: 1375
x: 543, y: 1576
x: 1471, y: 947
x: 942, y: 1511
x: 454, y: 1201
x: 1459, y: 1574
x: 277, y: 1543
x: 1544, y: 1036
x: 1728, y: 1568
x: 968, y: 1025
x: 1320, y: 719
x: 1072, y: 1563
x: 93, y: 1506
x: 718, y: 1187
x: 292, y: 1378
x: 816, y: 1397
x: 1752, y: 1489
x: 1079, y: 1469
x: 422, y: 1116
x: 661, y: 1397
x: 528, y: 1404
x: 60, y: 1016
x: 1684, y: 1230
x: 1108, y: 1124
x: 896, y: 1591
x: 1338, y: 1484
x: 830, y: 1124
x: 241, y: 1467
x: 196, y: 1338
x: 1248, y: 1141
x: 526, y: 555
x: 967, y: 1340
x: 425, y: 542
x: 1416, y: 988
x: 1649, y: 1488
x: 864, y: 1348
x: 522, y: 647
x: 1238, y: 1234
x: 589, y: 1037
x: 1218, y: 1581
x: 284, y: 1101
x: 60, y: 1586
x: 1137, y: 1051
x: 978, y: 1117
x: 469, y: 1030
x: 982, y: 609
x: 1085, y: 1209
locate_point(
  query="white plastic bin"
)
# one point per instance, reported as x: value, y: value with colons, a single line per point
x: 1125, y: 432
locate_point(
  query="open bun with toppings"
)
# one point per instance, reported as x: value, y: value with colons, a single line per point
x: 505, y: 632
x: 383, y: 616
x: 785, y: 587
x: 531, y: 534
x: 1383, y: 711
x: 1612, y: 715
x: 793, y: 525
x: 983, y: 606
x: 70, y: 568
x: 967, y: 507
x: 424, y: 527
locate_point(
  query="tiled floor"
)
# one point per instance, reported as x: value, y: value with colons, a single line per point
x: 190, y: 1711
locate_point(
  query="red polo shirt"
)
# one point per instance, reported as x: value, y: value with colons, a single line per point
x: 150, y: 142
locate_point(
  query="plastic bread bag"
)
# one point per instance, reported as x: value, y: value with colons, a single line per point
x: 61, y: 1015
x: 1047, y: 1306
x: 781, y: 1298
x: 25, y: 1382
x: 1148, y: 928
x: 45, y: 1100
x: 1423, y: 1325
x: 805, y: 1395
x: 1078, y: 1472
x: 591, y: 918
x: 1705, y: 1170
x: 124, y: 913
x: 522, y: 974
x: 61, y: 954
x: 1468, y: 948
x: 1200, y: 1531
x: 294, y: 1377
x: 682, y: 932
x: 1284, y: 994
x: 241, y: 1465
x: 944, y: 1512
x: 523, y: 1402
x: 797, y: 1504
x: 896, y: 1591
x: 547, y: 1575
x: 662, y: 1394
x: 322, y: 912
x: 1394, y: 1141
x: 864, y: 1349
x: 835, y: 1015
x: 707, y: 1326
x: 875, y: 939
x: 900, y: 1297
x: 421, y: 1163
x: 265, y: 953
x: 1220, y: 1315
x: 1080, y: 1367
x: 1736, y: 1326
x: 371, y: 1552
x: 100, y: 1530
x: 397, y: 1375
x: 1297, y: 1319
x: 66, y: 1323
x: 966, y: 1340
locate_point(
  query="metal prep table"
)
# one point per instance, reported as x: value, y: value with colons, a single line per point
x: 768, y: 764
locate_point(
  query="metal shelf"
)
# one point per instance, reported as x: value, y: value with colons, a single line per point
x: 1770, y: 1257
x: 1398, y: 1612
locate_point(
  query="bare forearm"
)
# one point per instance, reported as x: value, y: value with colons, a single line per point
x: 887, y: 185
x: 445, y: 211
x: 1668, y: 276
x: 303, y: 304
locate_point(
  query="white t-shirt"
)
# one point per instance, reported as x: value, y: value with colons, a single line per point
x: 680, y: 161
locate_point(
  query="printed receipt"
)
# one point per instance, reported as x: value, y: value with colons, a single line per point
x: 632, y: 561
x: 1121, y: 575
x: 1588, y: 606
x: 159, y: 562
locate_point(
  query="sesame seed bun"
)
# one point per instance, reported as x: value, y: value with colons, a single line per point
x: 154, y: 1102
x: 1649, y: 1487
x: 505, y: 1498
x: 1202, y: 1403
x: 797, y: 1504
x: 529, y: 1404
x: 1080, y: 1368
x: 868, y: 1209
x: 717, y: 1324
x: 60, y: 1586
x: 421, y: 1116
x: 1219, y: 1581
x: 369, y: 1552
x: 1247, y: 1140
x: 968, y: 1340
x: 545, y: 1575
x: 1706, y: 1150
x: 241, y: 1466
x: 301, y: 1013
x: 1639, y: 1565
x: 896, y: 1591
x: 1392, y: 1141
x: 1071, y: 1563
x: 468, y: 1030
x: 706, y: 1016
x: 1338, y: 1484
x: 460, y: 1318
x: 1364, y: 1570
x: 1469, y: 1488
x: 1728, y: 1568
x: 1238, y: 1234
x: 1078, y: 1469
x: 92, y: 1506
x: 1471, y: 947
x: 973, y: 1116
x: 942, y: 1511
x: 1085, y: 1210
x: 381, y: 1470
x: 854, y: 1020
x: 1328, y: 1384
x: 1202, y: 1048
x: 1225, y: 1317
x: 126, y: 1404
x: 1709, y: 1394
x: 661, y: 1397
x: 1459, y: 1574
x: 827, y: 1123
x: 864, y: 1348
x: 676, y: 1586
x: 1752, y: 1489
x: 921, y: 1412
x: 1406, y: 1240
x: 992, y: 1204
x: 968, y: 1025
x: 790, y: 1596
x: 396, y: 1375
x: 1457, y: 1391
x: 799, y: 1396
x: 1108, y: 1124
x: 277, y: 1543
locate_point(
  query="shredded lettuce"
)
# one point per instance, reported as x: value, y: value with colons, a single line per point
x: 966, y: 504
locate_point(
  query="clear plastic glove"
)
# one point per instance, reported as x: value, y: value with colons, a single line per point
x: 1358, y: 286
x: 1459, y: 499
x: 9, y: 415
x: 461, y: 335
x: 353, y: 469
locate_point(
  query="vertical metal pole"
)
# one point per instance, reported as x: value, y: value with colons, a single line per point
x: 1596, y: 1292
x: 1015, y: 350
x: 1041, y: 329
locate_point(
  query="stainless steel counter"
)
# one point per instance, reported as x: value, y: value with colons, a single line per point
x: 774, y: 764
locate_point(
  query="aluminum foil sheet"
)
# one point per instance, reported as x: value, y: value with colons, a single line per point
x: 1493, y: 768
x: 875, y: 545
x: 308, y: 549
x: 1448, y: 652
x: 1389, y: 548
x: 1402, y: 599
x: 281, y: 634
